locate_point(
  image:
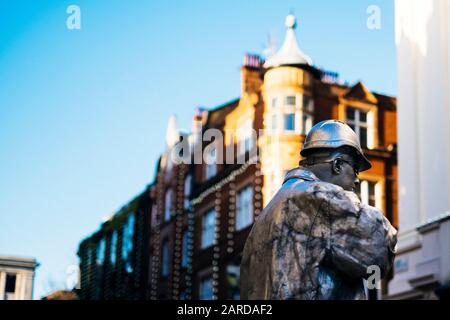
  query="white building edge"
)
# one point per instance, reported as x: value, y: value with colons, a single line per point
x: 17, y: 278
x: 422, y: 265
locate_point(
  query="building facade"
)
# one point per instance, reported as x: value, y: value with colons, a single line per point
x: 113, y: 262
x: 17, y: 278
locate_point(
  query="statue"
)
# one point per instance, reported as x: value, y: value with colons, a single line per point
x: 315, y: 240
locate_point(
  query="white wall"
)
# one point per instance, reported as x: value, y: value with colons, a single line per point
x: 423, y: 110
x: 423, y: 57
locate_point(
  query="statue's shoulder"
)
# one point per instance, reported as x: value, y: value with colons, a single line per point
x: 301, y: 180
x: 315, y: 188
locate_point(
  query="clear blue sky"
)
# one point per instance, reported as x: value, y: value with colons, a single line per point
x: 83, y: 113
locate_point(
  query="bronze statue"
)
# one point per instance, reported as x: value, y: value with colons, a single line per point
x: 315, y: 239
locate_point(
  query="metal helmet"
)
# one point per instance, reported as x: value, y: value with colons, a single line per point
x: 335, y: 134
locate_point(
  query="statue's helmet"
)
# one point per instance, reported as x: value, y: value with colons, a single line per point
x: 334, y: 134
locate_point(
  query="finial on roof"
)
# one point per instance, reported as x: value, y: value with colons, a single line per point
x: 291, y: 22
x: 289, y: 53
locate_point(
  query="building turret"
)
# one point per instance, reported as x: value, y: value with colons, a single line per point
x: 288, y: 109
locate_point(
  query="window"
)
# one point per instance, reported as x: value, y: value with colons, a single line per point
x: 211, y: 163
x: 206, y: 288
x: 113, y: 249
x: 90, y: 256
x: 168, y: 205
x: 10, y: 285
x: 244, y: 209
x: 101, y: 246
x: 308, y: 104
x: 357, y: 120
x: 183, y: 295
x: 185, y: 250
x: 307, y: 123
x: 308, y: 114
x: 274, y: 102
x: 274, y: 122
x: 187, y: 190
x: 127, y: 242
x: 246, y: 137
x: 290, y: 100
x: 165, y: 258
x: 208, y: 226
x: 289, y: 122
x: 233, y: 278
x: 295, y: 115
x: 369, y: 193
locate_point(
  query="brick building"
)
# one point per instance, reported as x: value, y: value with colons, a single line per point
x: 113, y: 263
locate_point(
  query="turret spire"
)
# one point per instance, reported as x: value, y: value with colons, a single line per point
x: 289, y: 53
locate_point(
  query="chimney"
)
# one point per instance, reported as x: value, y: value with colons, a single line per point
x: 197, y: 125
x: 251, y: 79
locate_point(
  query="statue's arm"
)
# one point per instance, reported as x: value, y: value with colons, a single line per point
x: 360, y: 236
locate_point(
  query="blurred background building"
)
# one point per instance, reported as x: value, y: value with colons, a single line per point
x: 17, y: 278
x: 113, y: 260
x: 422, y: 266
x: 183, y: 237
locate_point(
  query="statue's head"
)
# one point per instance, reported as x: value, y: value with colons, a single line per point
x: 333, y: 153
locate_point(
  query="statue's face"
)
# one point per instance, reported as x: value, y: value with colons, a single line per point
x: 338, y: 167
x: 345, y: 173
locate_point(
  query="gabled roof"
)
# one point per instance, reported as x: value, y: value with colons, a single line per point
x: 217, y: 115
x: 357, y: 92
x: 360, y: 92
